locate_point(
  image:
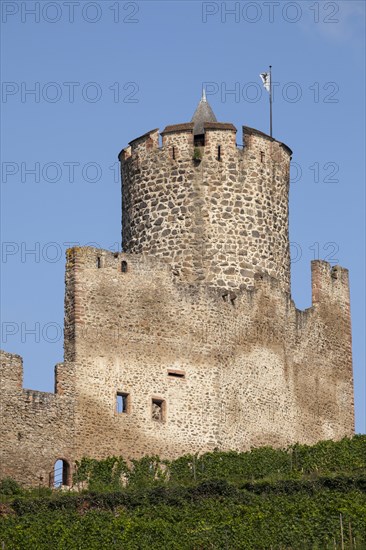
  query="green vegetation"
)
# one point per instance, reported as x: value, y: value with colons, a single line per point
x: 197, y: 153
x: 299, y: 498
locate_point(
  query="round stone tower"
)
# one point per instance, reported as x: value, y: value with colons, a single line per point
x: 217, y: 212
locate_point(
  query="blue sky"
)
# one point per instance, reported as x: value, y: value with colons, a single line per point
x: 105, y: 72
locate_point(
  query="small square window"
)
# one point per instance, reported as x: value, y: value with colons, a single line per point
x: 158, y: 410
x: 123, y: 403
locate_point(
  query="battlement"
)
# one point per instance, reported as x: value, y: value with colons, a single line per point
x: 88, y: 257
x: 36, y: 426
x: 218, y: 212
x: 253, y: 137
x: 11, y: 380
x: 329, y: 283
x: 178, y: 143
x: 11, y: 371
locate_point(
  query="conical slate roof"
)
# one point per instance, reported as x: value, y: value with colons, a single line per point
x: 202, y: 114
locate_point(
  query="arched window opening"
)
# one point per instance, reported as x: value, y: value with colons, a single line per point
x: 124, y: 266
x: 99, y: 263
x: 61, y: 474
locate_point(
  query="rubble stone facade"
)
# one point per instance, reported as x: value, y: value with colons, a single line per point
x: 188, y: 340
x: 219, y: 219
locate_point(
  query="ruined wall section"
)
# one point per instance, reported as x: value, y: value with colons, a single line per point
x: 293, y: 369
x: 257, y: 371
x: 36, y: 428
x: 218, y: 213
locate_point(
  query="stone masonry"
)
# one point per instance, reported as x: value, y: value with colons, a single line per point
x: 218, y: 220
x: 188, y: 340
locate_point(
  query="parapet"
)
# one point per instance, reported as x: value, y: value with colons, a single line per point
x: 88, y: 257
x: 149, y: 140
x: 139, y: 146
x: 11, y: 380
x: 11, y: 371
x: 252, y: 137
x: 220, y: 139
x: 178, y: 142
x: 329, y: 284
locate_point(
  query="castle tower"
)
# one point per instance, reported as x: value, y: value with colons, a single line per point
x: 156, y: 361
x: 216, y: 211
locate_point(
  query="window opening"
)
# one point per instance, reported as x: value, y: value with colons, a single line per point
x: 60, y: 474
x: 158, y: 410
x: 199, y: 140
x: 176, y: 374
x: 123, y: 403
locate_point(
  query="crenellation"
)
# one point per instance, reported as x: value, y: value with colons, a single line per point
x: 144, y: 144
x: 11, y: 372
x: 178, y: 145
x: 36, y: 429
x: 224, y: 137
x: 206, y: 197
x: 329, y: 284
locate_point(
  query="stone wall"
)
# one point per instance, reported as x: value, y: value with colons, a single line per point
x: 36, y: 428
x: 257, y: 371
x: 252, y: 369
x: 218, y: 220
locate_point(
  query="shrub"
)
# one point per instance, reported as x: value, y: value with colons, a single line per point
x: 197, y: 153
x: 9, y: 486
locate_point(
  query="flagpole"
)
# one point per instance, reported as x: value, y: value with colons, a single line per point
x: 270, y: 100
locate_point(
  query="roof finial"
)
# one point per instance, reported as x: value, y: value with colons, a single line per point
x: 202, y: 114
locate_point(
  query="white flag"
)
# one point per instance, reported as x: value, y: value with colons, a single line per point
x: 266, y: 79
